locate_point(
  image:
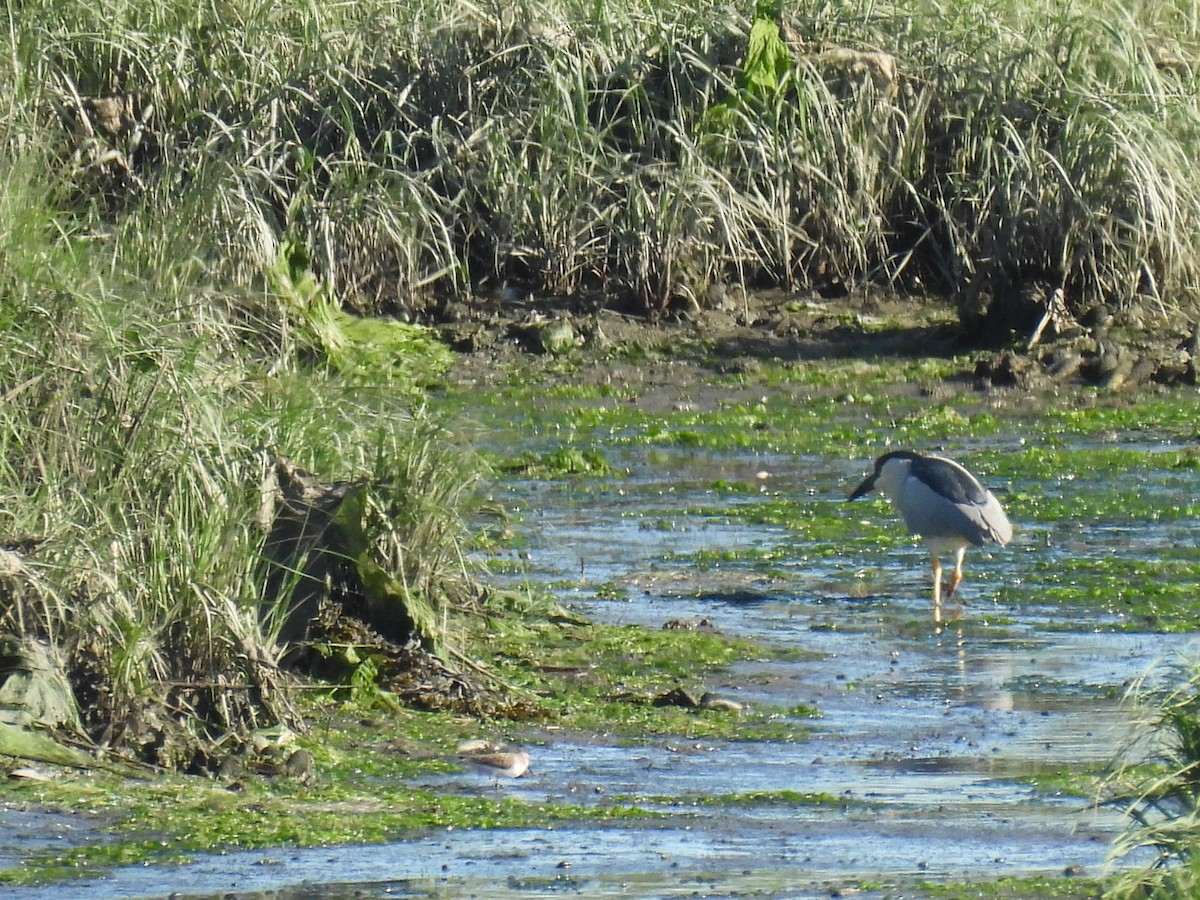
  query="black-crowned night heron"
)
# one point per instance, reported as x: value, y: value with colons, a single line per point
x: 943, y: 503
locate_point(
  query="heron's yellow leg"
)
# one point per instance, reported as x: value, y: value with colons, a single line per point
x: 937, y: 590
x: 956, y: 576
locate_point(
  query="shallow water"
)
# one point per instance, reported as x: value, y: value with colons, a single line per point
x: 927, y: 754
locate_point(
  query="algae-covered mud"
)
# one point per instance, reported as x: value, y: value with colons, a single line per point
x: 848, y: 744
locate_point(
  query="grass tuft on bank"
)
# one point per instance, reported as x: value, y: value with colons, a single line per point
x: 142, y: 412
x: 1155, y: 781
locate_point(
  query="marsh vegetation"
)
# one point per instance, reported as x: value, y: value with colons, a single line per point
x: 236, y: 239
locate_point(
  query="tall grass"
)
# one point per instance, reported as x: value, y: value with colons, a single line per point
x: 433, y: 150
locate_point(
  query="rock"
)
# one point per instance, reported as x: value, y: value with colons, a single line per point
x: 1062, y: 363
x: 468, y: 337
x: 741, y: 365
x: 232, y: 767
x: 38, y: 746
x: 705, y: 624
x: 680, y: 697
x: 712, y: 701
x: 1007, y: 369
x: 1114, y: 363
x: 557, y: 337
x: 456, y: 311
x: 34, y: 689
x: 300, y: 765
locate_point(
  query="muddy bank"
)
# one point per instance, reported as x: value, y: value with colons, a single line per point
x: 1118, y: 351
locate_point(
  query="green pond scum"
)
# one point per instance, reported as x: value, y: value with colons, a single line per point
x: 172, y: 822
x: 607, y: 678
x: 808, y: 407
x: 1065, y: 887
x: 1084, y: 783
x: 783, y: 798
x: 1094, y: 465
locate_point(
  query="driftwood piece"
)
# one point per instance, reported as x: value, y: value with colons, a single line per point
x: 318, y: 552
x: 327, y: 580
x: 308, y: 558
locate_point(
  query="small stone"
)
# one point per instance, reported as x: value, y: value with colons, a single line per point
x: 705, y: 624
x: 300, y: 765
x: 558, y: 337
x: 712, y: 701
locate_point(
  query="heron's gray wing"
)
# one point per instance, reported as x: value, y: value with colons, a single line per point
x: 931, y: 514
x: 999, y: 529
x: 949, y: 479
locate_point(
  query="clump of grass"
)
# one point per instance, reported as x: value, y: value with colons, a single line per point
x: 137, y: 417
x: 1160, y: 790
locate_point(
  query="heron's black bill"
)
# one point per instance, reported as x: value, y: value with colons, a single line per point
x: 866, y: 487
